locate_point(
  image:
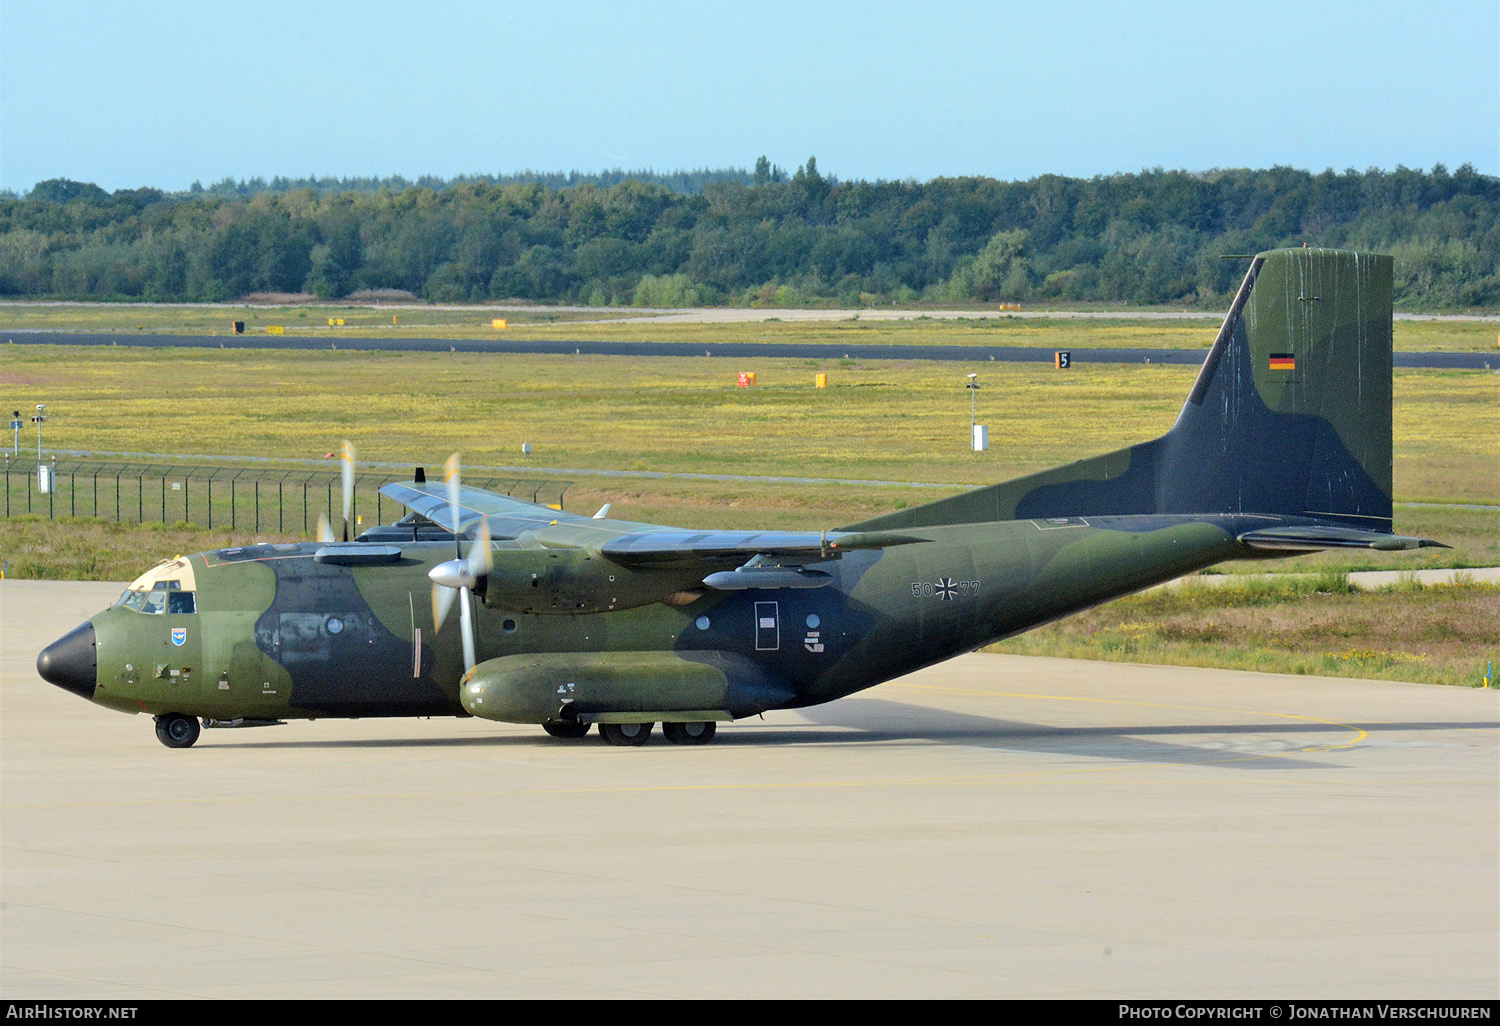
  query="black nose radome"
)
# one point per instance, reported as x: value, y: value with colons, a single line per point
x: 71, y: 661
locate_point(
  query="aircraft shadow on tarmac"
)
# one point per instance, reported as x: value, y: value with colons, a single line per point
x: 870, y: 720
x: 885, y: 721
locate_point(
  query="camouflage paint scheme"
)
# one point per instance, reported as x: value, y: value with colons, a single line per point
x: 1284, y: 445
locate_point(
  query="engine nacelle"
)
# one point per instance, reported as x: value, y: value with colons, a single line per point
x: 579, y: 686
x: 577, y: 581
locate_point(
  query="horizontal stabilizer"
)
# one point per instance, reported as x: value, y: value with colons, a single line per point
x: 1307, y: 539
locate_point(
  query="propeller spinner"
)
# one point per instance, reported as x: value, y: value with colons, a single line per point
x: 459, y: 576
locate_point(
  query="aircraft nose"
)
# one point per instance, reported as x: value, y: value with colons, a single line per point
x: 72, y: 661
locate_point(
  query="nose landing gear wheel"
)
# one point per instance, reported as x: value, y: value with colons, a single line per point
x: 176, y: 730
x: 695, y: 733
x: 563, y: 729
x: 626, y: 733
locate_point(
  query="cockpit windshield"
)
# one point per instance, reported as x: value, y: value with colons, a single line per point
x: 165, y: 588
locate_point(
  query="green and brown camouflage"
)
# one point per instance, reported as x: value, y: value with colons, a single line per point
x: 1283, y: 445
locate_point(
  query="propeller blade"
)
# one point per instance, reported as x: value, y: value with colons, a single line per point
x: 325, y: 531
x: 346, y: 456
x: 466, y: 624
x: 481, y: 561
x: 451, y: 478
x: 442, y: 601
x: 459, y: 569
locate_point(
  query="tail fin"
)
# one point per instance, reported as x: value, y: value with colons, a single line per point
x: 1291, y: 415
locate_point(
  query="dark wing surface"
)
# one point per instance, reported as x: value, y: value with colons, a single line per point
x: 628, y: 543
x: 508, y: 517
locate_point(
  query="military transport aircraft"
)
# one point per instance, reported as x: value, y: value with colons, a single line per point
x: 1283, y: 446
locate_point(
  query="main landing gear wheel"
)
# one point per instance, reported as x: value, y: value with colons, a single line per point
x: 626, y: 733
x: 565, y: 729
x: 695, y: 733
x: 176, y: 730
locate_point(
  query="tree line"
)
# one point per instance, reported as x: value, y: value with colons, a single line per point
x: 761, y: 237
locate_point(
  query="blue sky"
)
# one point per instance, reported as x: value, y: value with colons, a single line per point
x: 161, y: 94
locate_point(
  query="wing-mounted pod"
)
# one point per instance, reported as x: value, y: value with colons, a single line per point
x: 768, y: 577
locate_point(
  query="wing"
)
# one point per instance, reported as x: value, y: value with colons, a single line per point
x: 729, y: 560
x: 508, y: 517
x: 741, y: 560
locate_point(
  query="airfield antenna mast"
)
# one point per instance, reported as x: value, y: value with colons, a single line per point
x: 977, y: 432
x: 973, y: 387
x: 40, y: 407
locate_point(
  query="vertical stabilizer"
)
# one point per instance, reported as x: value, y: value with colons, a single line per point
x: 1290, y: 415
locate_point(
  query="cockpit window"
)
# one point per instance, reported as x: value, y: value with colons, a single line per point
x: 165, y: 588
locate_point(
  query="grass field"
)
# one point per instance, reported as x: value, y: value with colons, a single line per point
x: 879, y: 420
x: 1443, y: 634
x: 446, y: 322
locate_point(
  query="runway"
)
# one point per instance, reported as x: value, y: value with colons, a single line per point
x: 727, y: 350
x: 990, y: 827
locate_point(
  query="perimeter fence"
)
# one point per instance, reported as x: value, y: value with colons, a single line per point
x: 280, y: 500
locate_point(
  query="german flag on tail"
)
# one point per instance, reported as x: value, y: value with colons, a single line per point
x: 1283, y: 361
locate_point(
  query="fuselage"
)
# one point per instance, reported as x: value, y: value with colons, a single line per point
x: 268, y: 632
